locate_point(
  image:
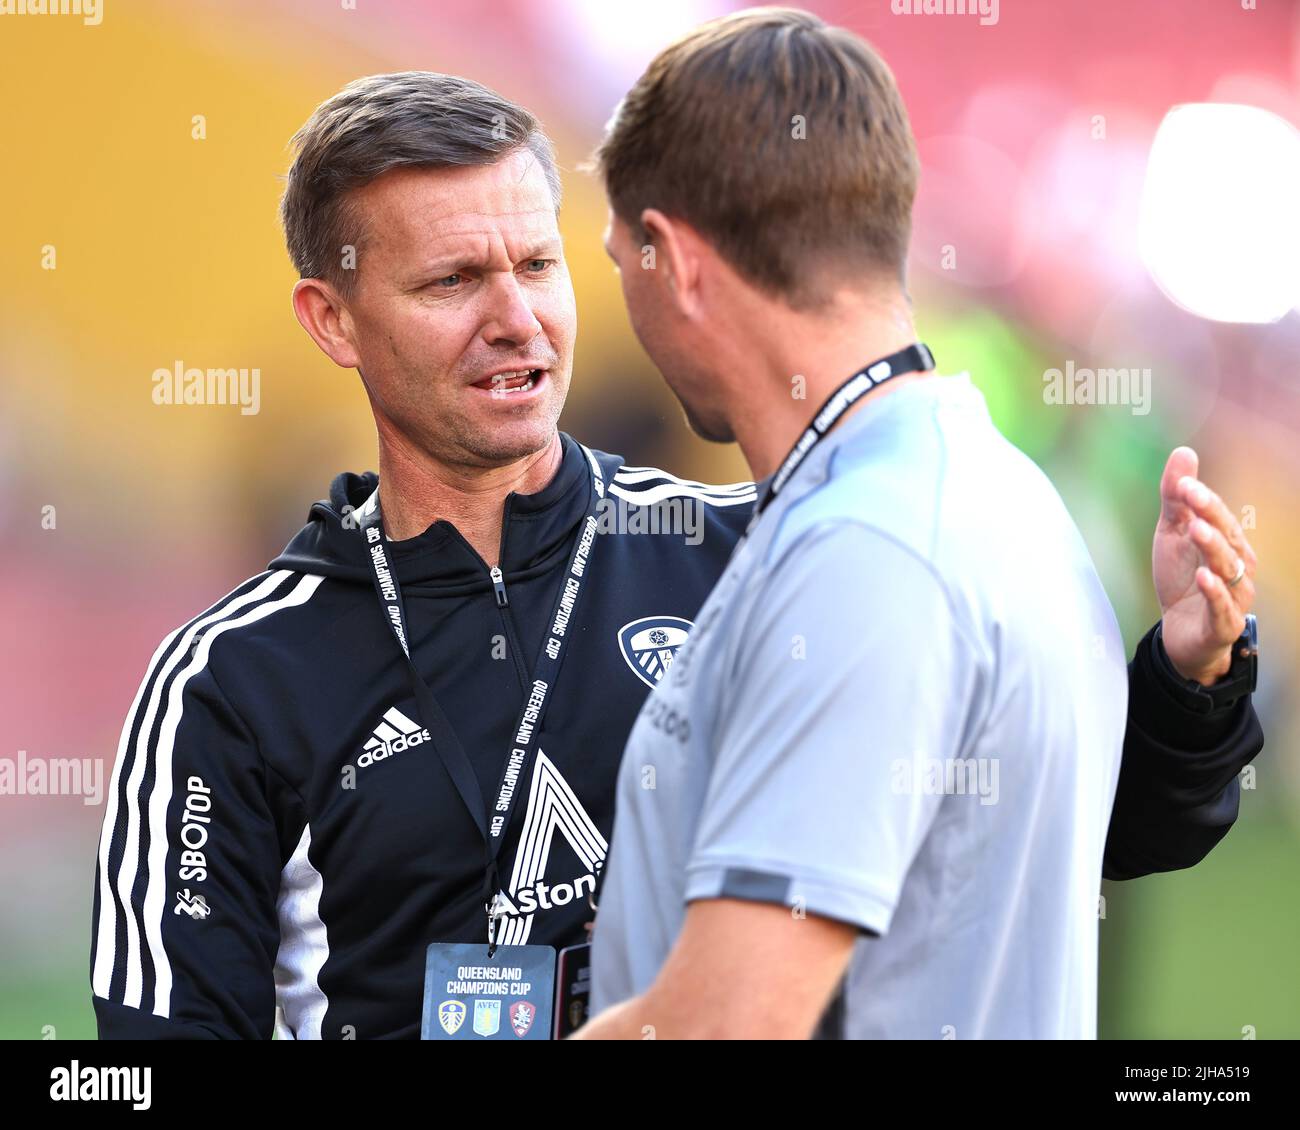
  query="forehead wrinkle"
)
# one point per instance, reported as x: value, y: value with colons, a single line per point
x: 501, y: 203
x: 532, y: 225
x: 416, y: 208
x: 484, y: 218
x: 432, y: 226
x: 474, y: 244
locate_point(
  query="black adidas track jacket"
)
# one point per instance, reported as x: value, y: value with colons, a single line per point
x: 280, y: 844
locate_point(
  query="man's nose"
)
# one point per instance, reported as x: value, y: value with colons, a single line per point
x: 510, y: 318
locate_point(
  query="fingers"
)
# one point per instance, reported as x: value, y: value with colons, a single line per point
x: 1215, y: 550
x: 1182, y: 464
x: 1227, y: 621
x: 1224, y: 543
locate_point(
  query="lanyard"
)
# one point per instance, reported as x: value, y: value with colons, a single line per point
x: 577, y: 576
x: 916, y: 358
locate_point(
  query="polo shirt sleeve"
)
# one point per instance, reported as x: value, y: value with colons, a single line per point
x: 852, y: 678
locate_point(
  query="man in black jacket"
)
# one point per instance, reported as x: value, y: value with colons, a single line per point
x: 297, y: 808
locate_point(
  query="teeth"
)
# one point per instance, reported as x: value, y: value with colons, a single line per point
x: 504, y: 390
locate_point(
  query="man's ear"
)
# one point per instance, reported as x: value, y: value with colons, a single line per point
x: 322, y: 312
x: 677, y: 256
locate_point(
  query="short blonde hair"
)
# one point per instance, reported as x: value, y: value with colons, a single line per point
x: 711, y: 134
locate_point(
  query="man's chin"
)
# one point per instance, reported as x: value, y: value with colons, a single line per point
x: 509, y: 442
x: 714, y: 430
x: 497, y: 432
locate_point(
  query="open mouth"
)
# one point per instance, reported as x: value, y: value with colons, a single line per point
x: 516, y: 383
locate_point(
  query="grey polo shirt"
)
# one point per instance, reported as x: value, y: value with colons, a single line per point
x: 903, y: 708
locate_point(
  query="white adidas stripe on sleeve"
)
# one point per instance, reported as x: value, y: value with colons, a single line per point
x: 106, y: 947
x: 248, y: 608
x: 155, y: 899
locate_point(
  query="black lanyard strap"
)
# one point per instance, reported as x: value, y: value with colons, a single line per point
x: 576, y: 579
x: 916, y: 358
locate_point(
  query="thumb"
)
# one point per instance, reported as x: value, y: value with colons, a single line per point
x: 1182, y: 461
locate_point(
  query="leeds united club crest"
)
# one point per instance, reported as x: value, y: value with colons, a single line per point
x: 650, y: 644
x: 451, y: 1015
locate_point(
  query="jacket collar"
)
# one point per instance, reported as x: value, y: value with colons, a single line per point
x: 536, y: 530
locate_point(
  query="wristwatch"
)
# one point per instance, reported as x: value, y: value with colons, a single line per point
x: 1237, y: 683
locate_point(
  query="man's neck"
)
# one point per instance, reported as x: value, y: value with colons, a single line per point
x: 415, y: 491
x: 824, y: 351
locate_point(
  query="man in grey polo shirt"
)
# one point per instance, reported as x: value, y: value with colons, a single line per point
x: 900, y: 714
x: 886, y: 757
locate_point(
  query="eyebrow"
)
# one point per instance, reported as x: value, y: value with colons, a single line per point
x: 545, y: 249
x: 450, y: 264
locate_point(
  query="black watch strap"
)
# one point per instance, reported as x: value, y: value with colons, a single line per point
x: 1236, y: 684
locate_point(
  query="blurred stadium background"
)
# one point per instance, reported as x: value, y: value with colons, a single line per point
x: 1035, y: 133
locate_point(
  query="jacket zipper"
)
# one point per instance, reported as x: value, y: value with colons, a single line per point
x: 503, y: 602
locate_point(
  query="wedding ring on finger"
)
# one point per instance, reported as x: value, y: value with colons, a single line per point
x: 1241, y: 572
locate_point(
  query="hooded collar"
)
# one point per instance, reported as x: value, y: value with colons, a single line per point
x: 536, y: 530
